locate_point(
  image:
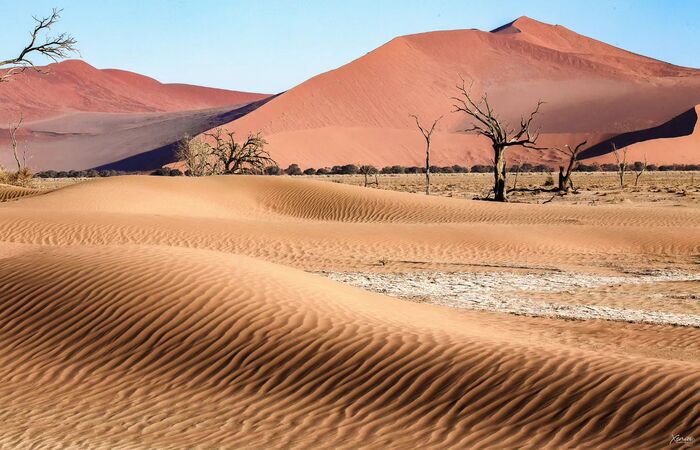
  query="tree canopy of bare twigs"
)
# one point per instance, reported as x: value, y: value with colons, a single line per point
x: 565, y: 183
x: 428, y: 136
x: 55, y: 47
x: 197, y: 155
x: 234, y: 157
x: 367, y: 170
x: 226, y: 156
x: 485, y: 122
x: 639, y: 168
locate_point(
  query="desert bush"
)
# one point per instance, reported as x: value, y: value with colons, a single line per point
x: 447, y: 169
x: 481, y: 168
x: 460, y: 169
x: 310, y: 171
x: 549, y: 181
x: 348, y: 169
x: 393, y: 169
x: 293, y: 169
x: 595, y: 167
x: 272, y: 170
x: 323, y: 171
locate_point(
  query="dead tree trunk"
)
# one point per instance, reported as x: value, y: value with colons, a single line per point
x: 565, y: 183
x: 428, y: 136
x: 499, y: 172
x: 485, y: 122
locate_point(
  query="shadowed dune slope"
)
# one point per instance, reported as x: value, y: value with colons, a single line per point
x: 671, y: 142
x: 359, y: 113
x: 158, y: 347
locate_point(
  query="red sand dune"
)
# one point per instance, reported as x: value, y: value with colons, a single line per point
x: 360, y: 112
x: 75, y: 86
x: 78, y: 117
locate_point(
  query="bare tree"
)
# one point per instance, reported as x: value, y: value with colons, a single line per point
x: 234, y: 157
x: 639, y: 168
x: 621, y: 160
x: 486, y: 123
x: 22, y: 176
x: 565, y: 183
x: 428, y: 135
x: 14, y: 128
x: 368, y: 170
x: 40, y: 43
x: 197, y: 155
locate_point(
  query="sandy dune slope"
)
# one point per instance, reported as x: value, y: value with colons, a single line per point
x: 149, y: 312
x: 316, y: 225
x: 165, y: 348
x: 8, y: 192
x: 360, y: 112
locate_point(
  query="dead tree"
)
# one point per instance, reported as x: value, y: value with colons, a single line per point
x: 639, y: 168
x: 40, y: 43
x: 234, y: 157
x: 621, y: 161
x: 486, y: 123
x: 565, y: 183
x: 428, y: 135
x: 21, y: 164
x: 368, y: 170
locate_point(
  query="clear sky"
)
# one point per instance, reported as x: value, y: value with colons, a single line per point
x: 269, y: 45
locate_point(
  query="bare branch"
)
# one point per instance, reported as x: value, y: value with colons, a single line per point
x: 54, y: 47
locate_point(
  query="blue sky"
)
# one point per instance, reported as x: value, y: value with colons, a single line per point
x: 270, y: 46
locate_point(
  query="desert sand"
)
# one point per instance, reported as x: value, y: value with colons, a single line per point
x: 158, y: 312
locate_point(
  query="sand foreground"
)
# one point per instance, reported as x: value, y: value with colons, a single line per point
x: 148, y: 312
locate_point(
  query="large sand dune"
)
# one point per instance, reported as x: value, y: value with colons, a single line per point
x: 360, y: 112
x: 79, y: 117
x: 142, y: 312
